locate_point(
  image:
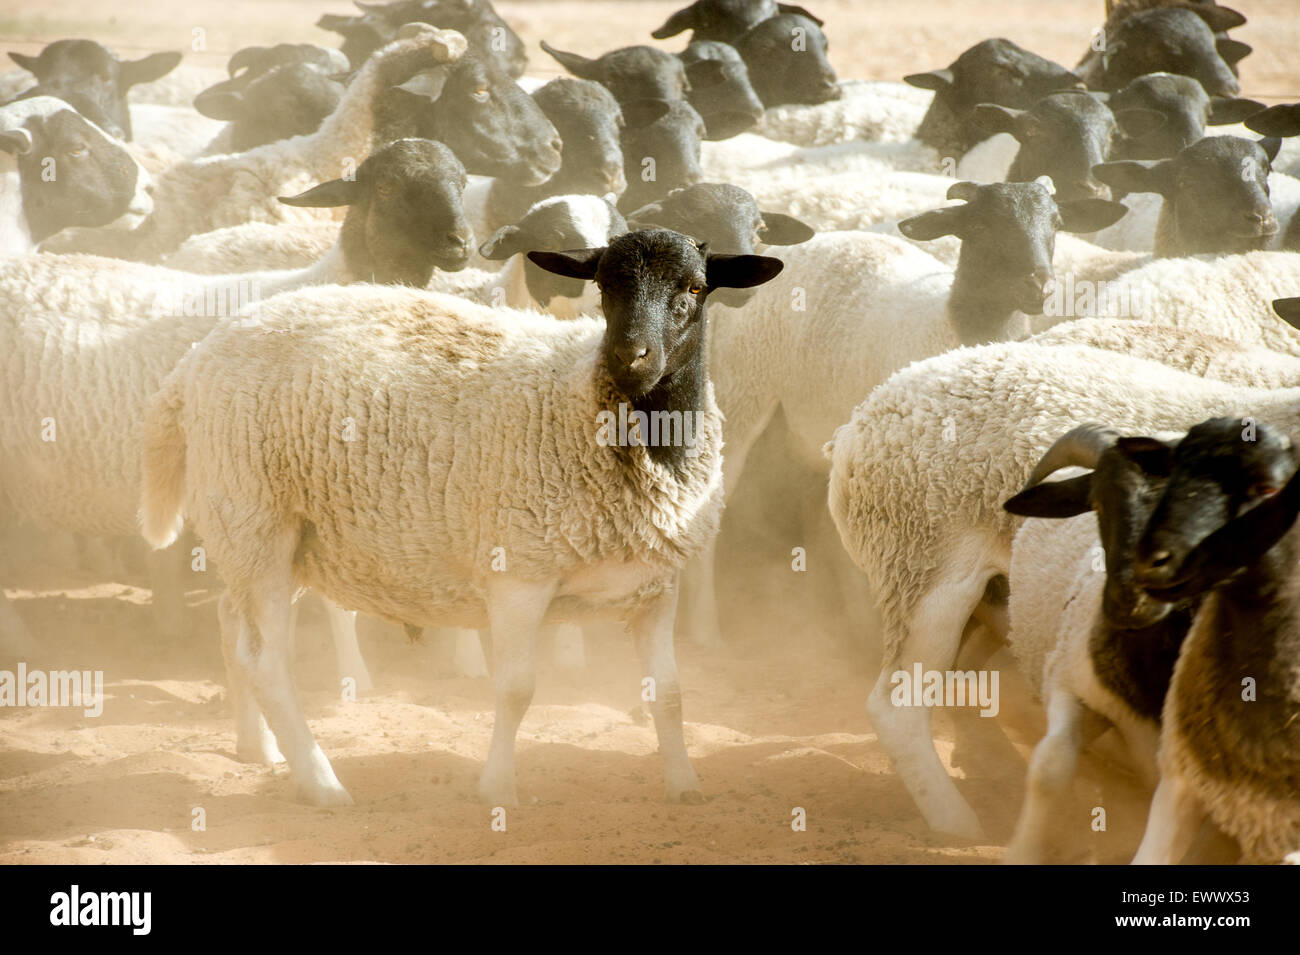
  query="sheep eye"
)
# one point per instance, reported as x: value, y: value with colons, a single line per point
x: 481, y: 96
x: 695, y: 288
x: 78, y: 152
x: 1263, y: 489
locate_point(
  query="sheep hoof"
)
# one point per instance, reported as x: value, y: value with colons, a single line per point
x: 263, y: 751
x: 321, y: 794
x: 690, y: 797
x: 962, y: 825
x: 498, y: 793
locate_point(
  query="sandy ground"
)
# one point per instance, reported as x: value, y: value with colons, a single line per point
x: 775, y: 721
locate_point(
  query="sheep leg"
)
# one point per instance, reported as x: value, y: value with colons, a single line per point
x: 1070, y: 727
x: 468, y: 658
x: 1172, y: 824
x: 904, y: 731
x: 652, y: 630
x: 515, y: 612
x: 254, y: 742
x: 569, y: 653
x: 701, y: 622
x: 347, y: 653
x: 262, y: 649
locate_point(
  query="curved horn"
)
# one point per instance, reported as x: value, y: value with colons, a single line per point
x: 249, y: 56
x: 965, y: 191
x: 1079, y: 447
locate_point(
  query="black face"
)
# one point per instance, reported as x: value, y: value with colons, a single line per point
x: 1179, y: 99
x: 1216, y: 195
x: 653, y: 286
x: 1008, y: 234
x: 1063, y: 136
x: 488, y: 35
x: 726, y: 218
x: 589, y: 122
x: 494, y: 127
x: 1169, y: 40
x: 662, y: 156
x: 405, y: 214
x: 630, y: 73
x: 723, y: 20
x: 93, y: 79
x: 720, y: 89
x: 1216, y: 475
x: 94, y: 180
x: 786, y: 59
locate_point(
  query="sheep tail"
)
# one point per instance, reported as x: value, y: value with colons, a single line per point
x: 163, y: 494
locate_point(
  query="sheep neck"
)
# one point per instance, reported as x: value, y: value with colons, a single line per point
x: 1137, y: 665
x: 679, y: 392
x: 1247, y: 628
x: 978, y: 309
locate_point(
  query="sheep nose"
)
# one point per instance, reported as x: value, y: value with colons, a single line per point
x: 458, y: 240
x: 1263, y: 223
x: 148, y: 189
x: 631, y: 355
x: 557, y: 144
x: 1042, y: 275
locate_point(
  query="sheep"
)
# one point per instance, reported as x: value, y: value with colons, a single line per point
x: 93, y: 337
x: 1098, y: 650
x: 551, y: 225
x: 786, y: 59
x: 1214, y: 196
x: 1186, y: 109
x: 504, y: 138
x: 723, y: 20
x: 93, y: 79
x: 661, y: 155
x: 992, y: 71
x: 253, y: 246
x: 720, y: 90
x: 488, y: 35
x: 1283, y: 121
x: 97, y: 182
x: 1230, y: 727
x: 427, y: 558
x: 920, y: 471
x: 630, y: 73
x: 883, y: 303
x: 1178, y: 40
x: 589, y: 122
x: 273, y: 93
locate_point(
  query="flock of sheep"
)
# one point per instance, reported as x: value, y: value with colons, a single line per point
x: 374, y: 323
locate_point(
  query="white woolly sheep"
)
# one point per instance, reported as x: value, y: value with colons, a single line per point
x: 537, y: 517
x: 919, y: 474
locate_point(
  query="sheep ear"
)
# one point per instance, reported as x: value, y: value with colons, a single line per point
x: 800, y: 11
x: 1137, y: 122
x: 1090, y: 215
x: 1271, y: 146
x: 1232, y: 51
x: 426, y: 83
x: 741, y: 271
x: 933, y: 224
x: 576, y: 264
x: 1281, y: 120
x: 641, y: 113
x: 1132, y: 175
x: 27, y: 62
x: 1153, y: 456
x: 992, y: 118
x: 1067, y: 498
x: 1235, y: 109
x: 646, y: 216
x: 225, y: 105
x: 506, y: 241
x: 1288, y: 309
x: 679, y: 22
x: 149, y: 68
x: 937, y: 80
x: 15, y: 142
x: 336, y: 192
x: 575, y: 63
x: 781, y: 229
x: 1219, y: 19
x: 705, y: 73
